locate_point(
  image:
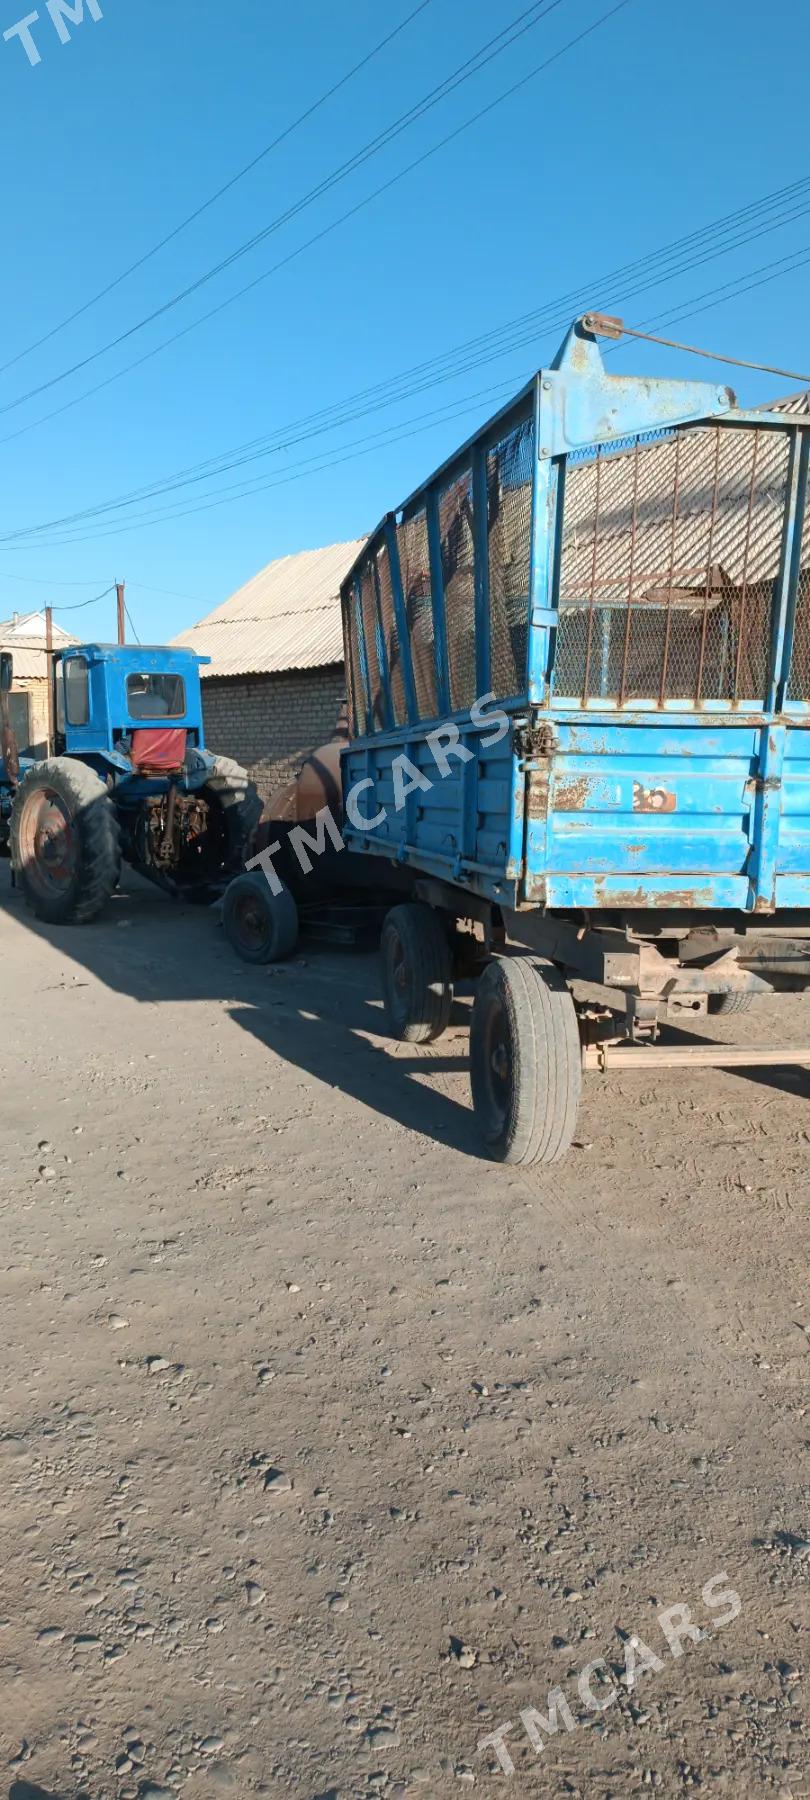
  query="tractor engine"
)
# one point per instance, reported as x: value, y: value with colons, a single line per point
x: 173, y: 831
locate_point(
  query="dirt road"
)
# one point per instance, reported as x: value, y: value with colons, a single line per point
x: 328, y: 1448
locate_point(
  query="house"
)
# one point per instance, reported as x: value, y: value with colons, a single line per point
x: 24, y: 636
x: 275, y: 685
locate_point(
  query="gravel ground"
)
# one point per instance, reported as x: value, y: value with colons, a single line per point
x: 328, y: 1448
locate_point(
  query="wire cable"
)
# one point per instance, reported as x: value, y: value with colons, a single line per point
x: 83, y: 603
x: 225, y: 189
x: 554, y: 316
x: 495, y: 47
x: 738, y: 362
x: 395, y: 432
x: 128, y: 616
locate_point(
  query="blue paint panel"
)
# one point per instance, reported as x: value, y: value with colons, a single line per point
x: 109, y: 666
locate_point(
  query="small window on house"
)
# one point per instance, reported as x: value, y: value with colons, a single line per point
x: 77, y: 693
x: 156, y: 696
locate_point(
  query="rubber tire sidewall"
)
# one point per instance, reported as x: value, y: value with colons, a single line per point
x: 94, y: 820
x: 721, y: 1005
x: 425, y: 1012
x: 280, y: 913
x: 545, y: 1074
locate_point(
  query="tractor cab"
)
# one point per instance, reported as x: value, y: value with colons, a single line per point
x: 135, y: 708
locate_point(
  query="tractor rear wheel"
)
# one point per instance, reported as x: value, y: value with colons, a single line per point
x: 236, y: 796
x: 65, y: 846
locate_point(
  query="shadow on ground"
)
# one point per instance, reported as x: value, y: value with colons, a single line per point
x: 27, y: 1790
x: 318, y: 1011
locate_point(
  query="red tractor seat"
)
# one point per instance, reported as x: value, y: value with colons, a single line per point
x: 161, y: 748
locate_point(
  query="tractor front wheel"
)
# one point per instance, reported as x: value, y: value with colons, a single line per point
x: 65, y: 847
x: 262, y: 927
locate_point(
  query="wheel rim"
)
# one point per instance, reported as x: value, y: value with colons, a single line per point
x: 250, y: 922
x: 497, y: 1059
x: 48, y: 843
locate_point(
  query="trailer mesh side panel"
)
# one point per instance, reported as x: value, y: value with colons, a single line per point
x: 458, y: 579
x: 412, y: 540
x: 799, y: 682
x: 391, y: 636
x: 354, y: 689
x: 670, y: 555
x: 369, y: 607
x: 799, y: 685
x: 510, y: 467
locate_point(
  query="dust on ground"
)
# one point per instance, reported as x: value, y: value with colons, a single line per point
x: 328, y: 1448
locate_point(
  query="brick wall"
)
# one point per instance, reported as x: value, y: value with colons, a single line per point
x: 37, y: 690
x: 270, y: 722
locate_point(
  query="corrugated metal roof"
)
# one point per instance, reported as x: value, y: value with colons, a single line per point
x: 286, y: 617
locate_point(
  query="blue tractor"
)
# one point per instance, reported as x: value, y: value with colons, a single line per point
x: 127, y: 778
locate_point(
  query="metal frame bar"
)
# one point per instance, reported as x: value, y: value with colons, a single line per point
x: 401, y: 616
x: 437, y: 601
x: 790, y: 577
x: 382, y: 648
x: 483, y: 622
x: 360, y: 628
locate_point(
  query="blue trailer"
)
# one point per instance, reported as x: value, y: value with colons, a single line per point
x: 579, y: 688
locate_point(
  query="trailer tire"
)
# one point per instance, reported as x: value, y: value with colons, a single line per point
x: 417, y: 967
x: 65, y: 841
x: 730, y: 1003
x: 525, y: 1061
x: 262, y: 927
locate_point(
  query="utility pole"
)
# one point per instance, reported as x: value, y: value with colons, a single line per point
x: 49, y: 664
x: 122, y: 627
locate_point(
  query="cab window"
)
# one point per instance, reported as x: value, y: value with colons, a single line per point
x: 156, y: 696
x: 77, y: 693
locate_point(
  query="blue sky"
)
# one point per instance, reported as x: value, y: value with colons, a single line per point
x: 663, y: 119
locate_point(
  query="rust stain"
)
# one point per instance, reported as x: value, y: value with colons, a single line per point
x: 653, y: 800
x: 572, y: 796
x: 645, y: 897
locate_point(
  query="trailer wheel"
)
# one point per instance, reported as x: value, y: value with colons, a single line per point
x: 262, y: 927
x: 730, y: 1003
x: 525, y: 1061
x: 65, y: 842
x: 417, y: 973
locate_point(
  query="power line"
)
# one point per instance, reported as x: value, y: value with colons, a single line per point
x: 225, y: 189
x: 327, y: 230
x: 495, y: 47
x: 44, y: 581
x: 396, y: 432
x: 83, y: 603
x: 506, y: 340
x: 131, y: 626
